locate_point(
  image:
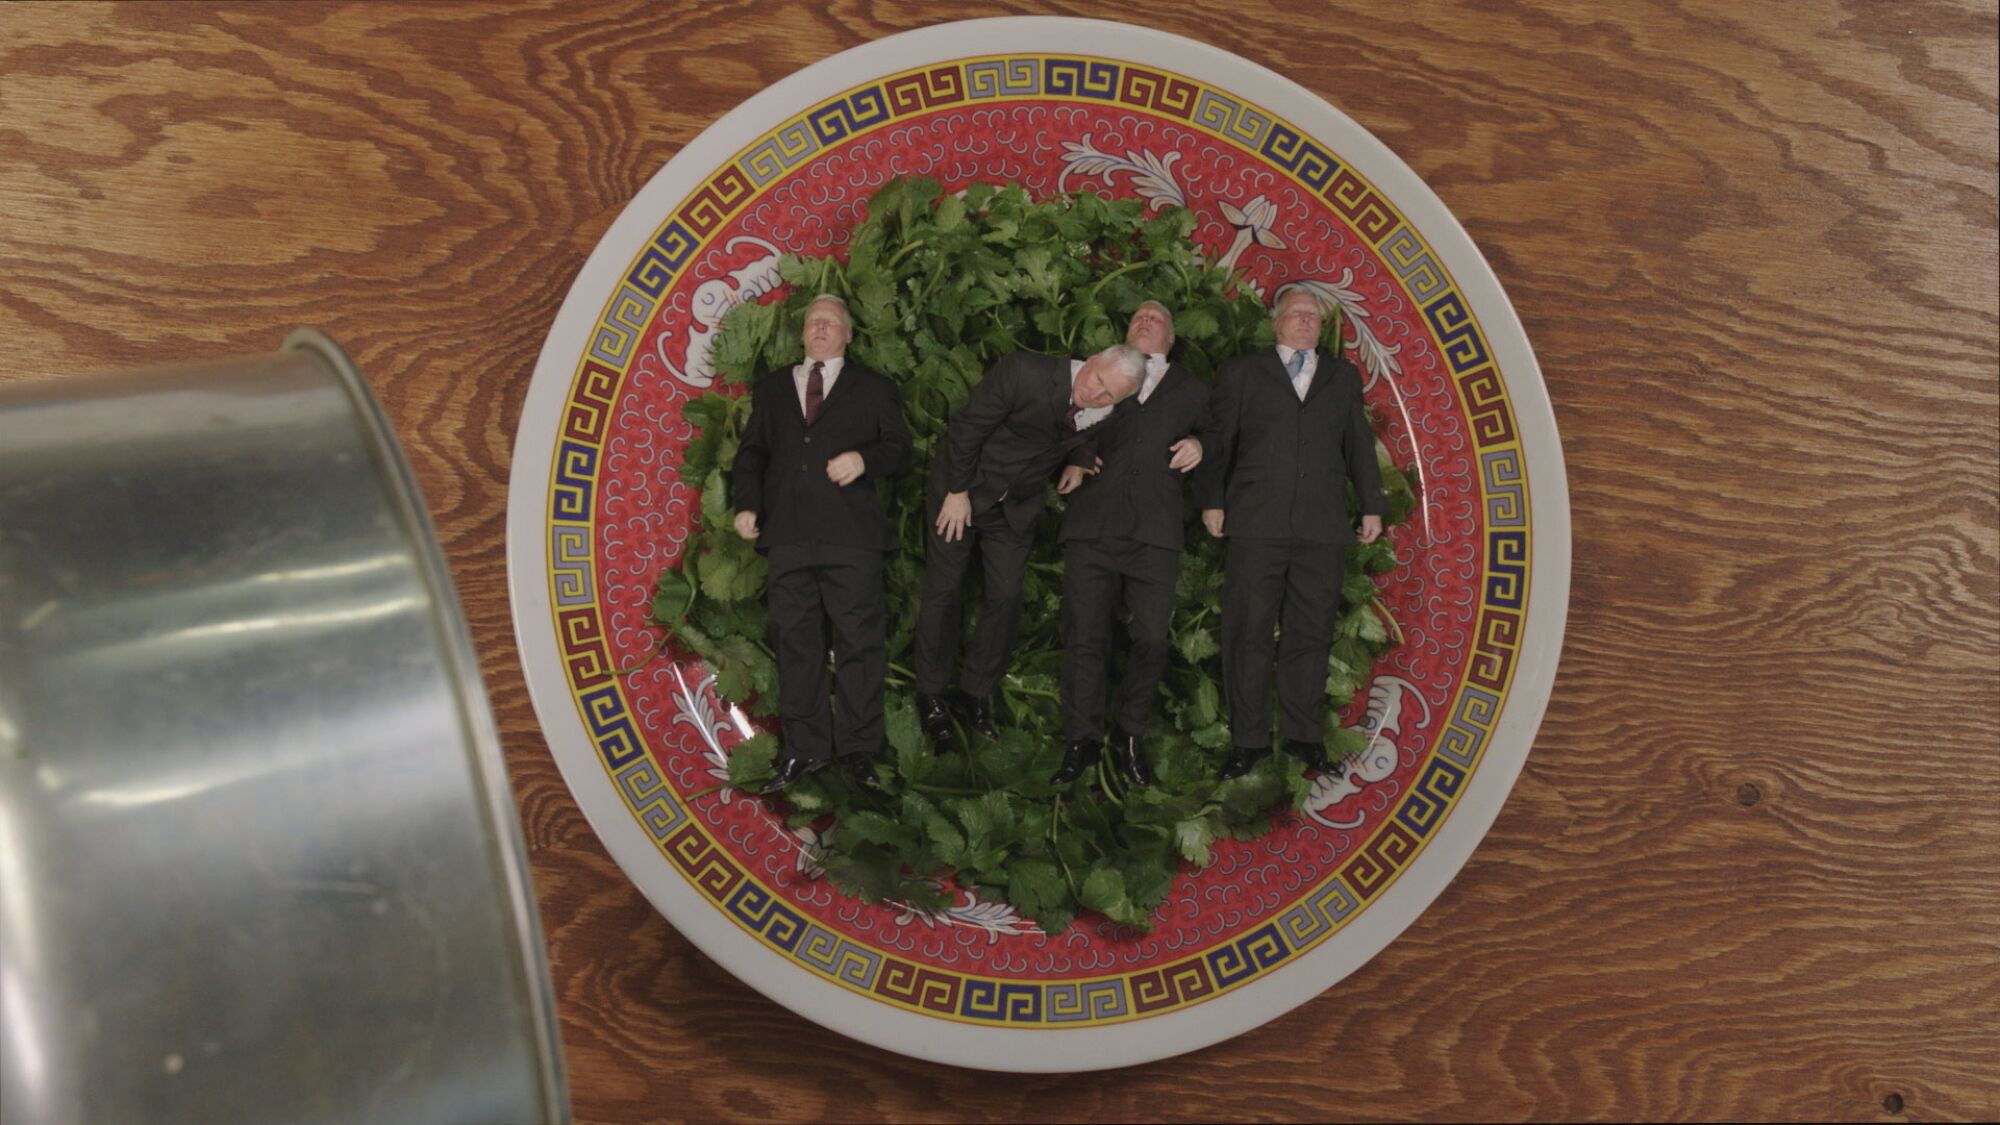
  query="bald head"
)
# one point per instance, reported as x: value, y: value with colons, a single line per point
x: 1151, y: 329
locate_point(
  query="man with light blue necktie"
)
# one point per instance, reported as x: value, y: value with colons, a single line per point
x: 1291, y: 435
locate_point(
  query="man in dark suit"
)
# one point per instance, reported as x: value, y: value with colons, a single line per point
x: 1290, y: 437
x: 987, y: 485
x: 817, y: 431
x: 1122, y: 536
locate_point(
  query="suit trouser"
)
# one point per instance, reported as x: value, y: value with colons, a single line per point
x: 809, y: 586
x: 1096, y: 572
x: 1003, y: 559
x: 1294, y: 586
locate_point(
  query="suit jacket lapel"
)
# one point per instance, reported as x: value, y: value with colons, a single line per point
x: 793, y: 397
x: 1322, y: 374
x: 1057, y: 398
x: 1131, y: 405
x: 1275, y: 368
x: 1125, y: 406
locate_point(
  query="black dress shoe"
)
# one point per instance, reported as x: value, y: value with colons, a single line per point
x: 789, y: 771
x: 936, y: 721
x: 1125, y: 748
x: 860, y: 769
x: 1240, y: 760
x: 1311, y: 753
x: 1078, y: 755
x: 978, y: 714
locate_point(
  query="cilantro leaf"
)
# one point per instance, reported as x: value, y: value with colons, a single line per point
x: 1193, y: 837
x: 750, y: 762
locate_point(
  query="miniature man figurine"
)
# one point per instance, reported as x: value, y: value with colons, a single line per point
x: 1290, y: 436
x: 1122, y: 536
x: 987, y: 487
x: 819, y: 434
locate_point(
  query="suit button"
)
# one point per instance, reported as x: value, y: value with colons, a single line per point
x: 809, y: 441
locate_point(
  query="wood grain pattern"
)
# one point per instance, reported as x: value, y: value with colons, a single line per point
x: 1752, y: 869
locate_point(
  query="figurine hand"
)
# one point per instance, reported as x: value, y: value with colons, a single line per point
x: 746, y: 524
x: 953, y: 516
x: 1371, y: 528
x: 1071, y: 480
x: 1187, y: 454
x: 846, y: 468
x: 1211, y: 518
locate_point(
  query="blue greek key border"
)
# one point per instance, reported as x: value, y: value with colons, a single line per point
x: 601, y: 703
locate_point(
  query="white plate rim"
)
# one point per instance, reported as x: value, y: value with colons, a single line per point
x: 1041, y: 1049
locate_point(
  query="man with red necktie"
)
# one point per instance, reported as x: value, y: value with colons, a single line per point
x: 820, y: 434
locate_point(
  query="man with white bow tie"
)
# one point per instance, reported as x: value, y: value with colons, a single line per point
x: 1290, y: 436
x: 1123, y: 530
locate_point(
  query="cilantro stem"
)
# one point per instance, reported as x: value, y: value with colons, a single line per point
x: 947, y: 790
x: 1055, y: 849
x: 1382, y: 608
x: 658, y: 648
x: 1104, y: 783
x: 1209, y: 359
x: 1114, y: 273
x: 913, y: 244
x: 923, y: 295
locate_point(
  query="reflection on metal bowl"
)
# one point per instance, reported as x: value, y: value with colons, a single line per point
x: 258, y: 859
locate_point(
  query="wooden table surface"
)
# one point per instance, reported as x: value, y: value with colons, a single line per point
x: 1752, y: 868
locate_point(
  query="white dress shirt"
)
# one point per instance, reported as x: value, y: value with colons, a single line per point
x: 1156, y: 370
x: 827, y: 374
x: 1304, y: 381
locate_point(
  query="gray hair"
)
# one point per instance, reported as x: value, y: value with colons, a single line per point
x: 1294, y: 291
x: 834, y: 299
x: 1130, y: 360
x: 1164, y: 311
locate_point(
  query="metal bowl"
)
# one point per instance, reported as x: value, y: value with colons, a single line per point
x: 258, y: 858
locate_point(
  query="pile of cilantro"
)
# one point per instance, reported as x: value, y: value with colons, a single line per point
x: 940, y: 286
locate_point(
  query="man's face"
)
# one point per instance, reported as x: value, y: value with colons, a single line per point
x: 826, y: 332
x: 1101, y: 383
x: 1298, y: 321
x: 1150, y: 331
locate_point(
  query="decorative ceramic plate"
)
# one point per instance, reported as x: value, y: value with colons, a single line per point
x: 1286, y: 189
